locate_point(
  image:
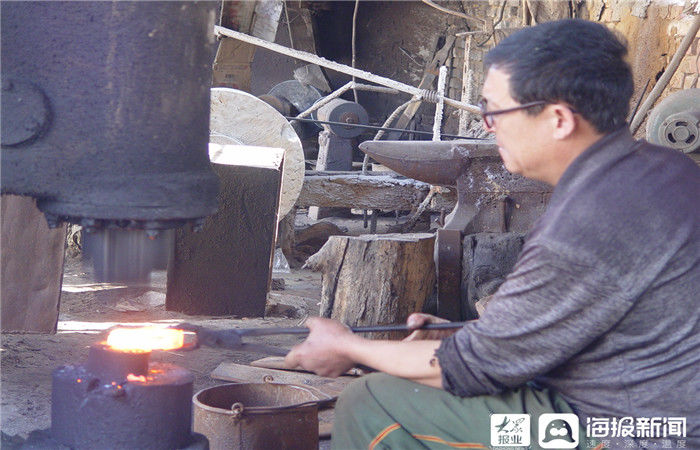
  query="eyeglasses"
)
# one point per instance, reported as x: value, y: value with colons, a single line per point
x: 487, y: 116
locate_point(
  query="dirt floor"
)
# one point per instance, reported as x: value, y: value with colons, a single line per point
x: 28, y: 359
x: 87, y: 309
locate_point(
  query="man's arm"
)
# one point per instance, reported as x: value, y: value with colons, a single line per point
x: 547, y: 311
x: 331, y: 349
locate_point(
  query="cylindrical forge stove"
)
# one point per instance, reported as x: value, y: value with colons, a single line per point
x: 120, y: 400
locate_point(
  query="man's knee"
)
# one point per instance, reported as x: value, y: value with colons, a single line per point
x: 358, y: 413
x: 357, y: 395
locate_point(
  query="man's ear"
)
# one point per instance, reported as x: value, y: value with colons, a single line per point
x: 564, y: 121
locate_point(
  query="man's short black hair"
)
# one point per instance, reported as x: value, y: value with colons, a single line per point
x: 574, y: 61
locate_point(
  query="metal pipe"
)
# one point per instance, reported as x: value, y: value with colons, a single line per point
x: 273, y: 331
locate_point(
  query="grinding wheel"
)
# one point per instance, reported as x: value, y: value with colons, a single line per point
x: 675, y: 121
x: 238, y: 117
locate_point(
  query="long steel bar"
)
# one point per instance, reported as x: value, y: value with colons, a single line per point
x: 364, y: 329
x: 314, y: 59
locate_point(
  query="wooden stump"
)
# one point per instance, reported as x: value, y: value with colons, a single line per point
x: 375, y: 279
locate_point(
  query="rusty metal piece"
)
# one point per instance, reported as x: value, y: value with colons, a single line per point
x: 232, y: 339
x: 258, y: 415
x: 448, y: 263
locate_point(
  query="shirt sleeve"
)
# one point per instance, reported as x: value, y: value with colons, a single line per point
x: 548, y: 310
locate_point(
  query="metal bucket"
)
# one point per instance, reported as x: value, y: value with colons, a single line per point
x: 258, y: 416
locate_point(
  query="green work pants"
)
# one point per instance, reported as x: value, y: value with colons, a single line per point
x: 379, y: 411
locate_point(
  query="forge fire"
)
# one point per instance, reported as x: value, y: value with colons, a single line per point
x: 119, y: 399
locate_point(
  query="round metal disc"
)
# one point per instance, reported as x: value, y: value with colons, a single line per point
x: 675, y: 121
x: 238, y: 117
x: 300, y: 95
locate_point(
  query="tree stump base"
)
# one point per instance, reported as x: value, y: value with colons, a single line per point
x: 375, y: 279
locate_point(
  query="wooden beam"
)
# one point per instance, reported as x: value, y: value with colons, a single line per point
x: 390, y: 191
x: 342, y: 68
x: 354, y: 190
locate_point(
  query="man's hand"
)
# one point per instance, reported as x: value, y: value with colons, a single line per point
x: 417, y: 320
x: 323, y: 351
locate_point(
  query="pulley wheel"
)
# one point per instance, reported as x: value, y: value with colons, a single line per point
x: 343, y: 111
x: 675, y: 121
x: 238, y: 117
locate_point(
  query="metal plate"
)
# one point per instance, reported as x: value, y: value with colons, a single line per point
x: 675, y: 121
x: 238, y: 117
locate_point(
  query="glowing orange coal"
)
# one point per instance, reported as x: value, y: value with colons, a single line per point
x: 132, y: 377
x: 145, y: 339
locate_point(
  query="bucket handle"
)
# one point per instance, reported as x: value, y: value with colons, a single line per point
x: 237, y: 409
x: 324, y: 401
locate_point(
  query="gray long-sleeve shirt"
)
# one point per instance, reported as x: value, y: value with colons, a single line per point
x: 603, y: 304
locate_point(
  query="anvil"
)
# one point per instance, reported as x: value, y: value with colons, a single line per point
x: 484, y: 199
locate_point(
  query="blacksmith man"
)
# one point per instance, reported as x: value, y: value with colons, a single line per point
x: 600, y: 316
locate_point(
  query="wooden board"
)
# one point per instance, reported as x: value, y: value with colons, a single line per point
x: 277, y: 362
x: 226, y: 268
x: 237, y: 117
x: 32, y: 267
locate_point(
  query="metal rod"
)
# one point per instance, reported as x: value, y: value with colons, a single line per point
x: 372, y: 127
x: 363, y: 329
x: 314, y: 59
